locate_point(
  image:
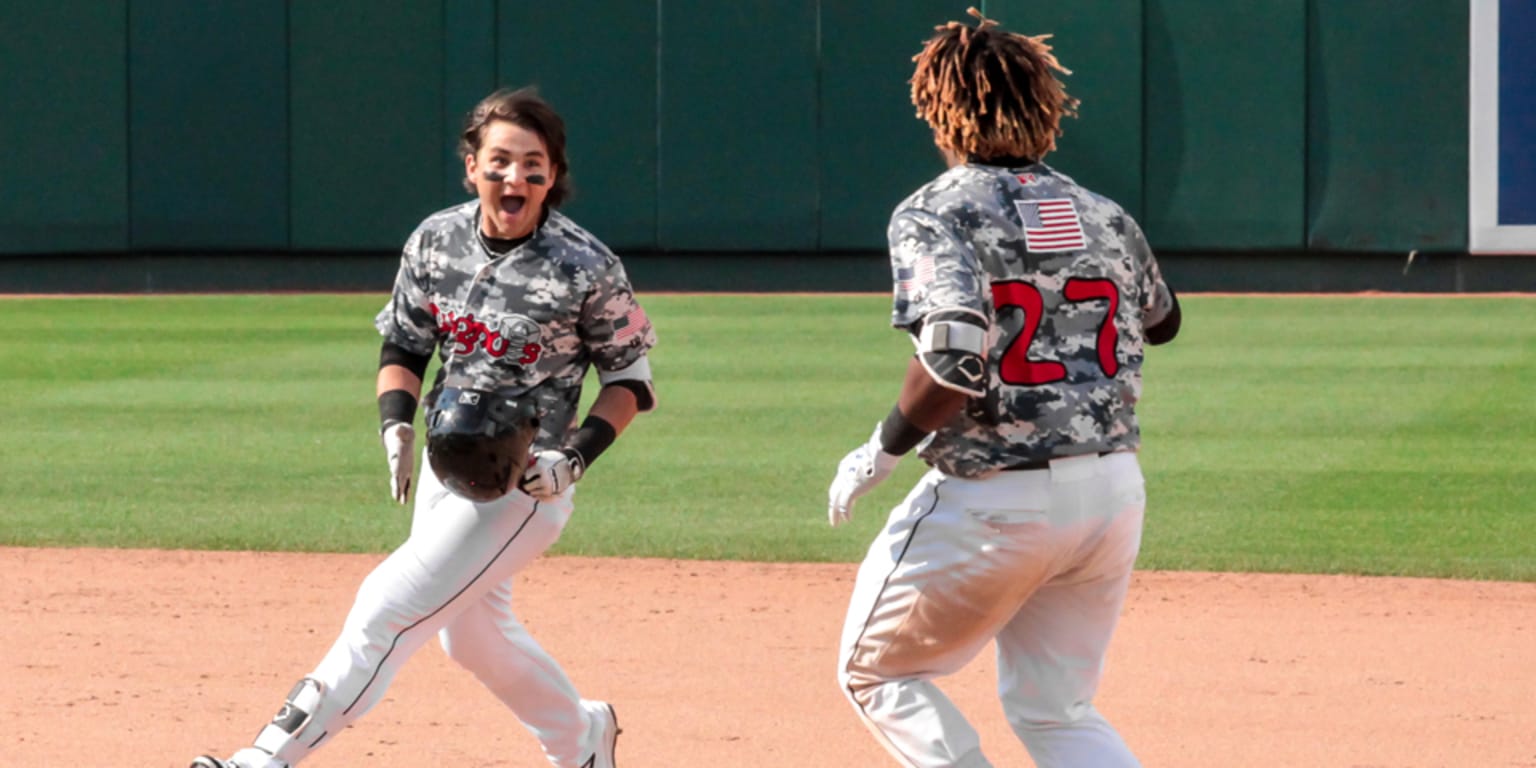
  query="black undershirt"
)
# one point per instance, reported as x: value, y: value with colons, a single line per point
x: 502, y: 246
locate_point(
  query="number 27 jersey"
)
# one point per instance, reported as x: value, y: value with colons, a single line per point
x: 1067, y: 283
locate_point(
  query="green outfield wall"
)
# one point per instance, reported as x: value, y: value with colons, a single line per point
x: 322, y: 126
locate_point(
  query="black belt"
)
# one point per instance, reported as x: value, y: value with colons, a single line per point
x: 1029, y: 466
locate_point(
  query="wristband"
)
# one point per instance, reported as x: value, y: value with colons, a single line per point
x: 594, y: 437
x: 396, y: 405
x: 897, y: 435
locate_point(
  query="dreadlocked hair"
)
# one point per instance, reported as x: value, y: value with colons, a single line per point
x: 988, y: 93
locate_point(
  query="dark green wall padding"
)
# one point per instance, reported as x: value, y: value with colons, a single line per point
x: 64, y: 162
x: 1226, y: 124
x: 157, y: 126
x: 738, y: 125
x: 1387, y: 125
x: 367, y: 146
x: 209, y: 116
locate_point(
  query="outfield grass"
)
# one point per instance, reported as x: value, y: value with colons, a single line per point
x: 1329, y: 434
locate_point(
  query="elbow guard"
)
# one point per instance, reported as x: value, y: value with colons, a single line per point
x: 952, y: 348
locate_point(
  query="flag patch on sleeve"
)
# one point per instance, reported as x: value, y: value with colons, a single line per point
x: 914, y: 278
x: 630, y: 324
x: 1051, y: 225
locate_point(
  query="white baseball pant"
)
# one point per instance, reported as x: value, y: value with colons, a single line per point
x: 1038, y: 560
x: 453, y: 577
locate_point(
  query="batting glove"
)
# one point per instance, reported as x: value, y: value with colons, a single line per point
x: 550, y: 473
x: 399, y: 449
x: 858, y: 473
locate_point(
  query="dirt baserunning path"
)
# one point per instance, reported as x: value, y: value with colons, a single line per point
x: 147, y: 658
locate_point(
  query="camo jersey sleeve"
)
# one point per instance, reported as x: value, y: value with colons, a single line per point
x: 933, y: 269
x: 1156, y: 299
x: 614, y: 327
x: 407, y: 320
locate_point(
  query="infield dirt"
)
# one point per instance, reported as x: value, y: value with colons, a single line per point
x: 147, y: 658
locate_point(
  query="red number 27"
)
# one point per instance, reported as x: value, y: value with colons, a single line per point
x: 1016, y: 367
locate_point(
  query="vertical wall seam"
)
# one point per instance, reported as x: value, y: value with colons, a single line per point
x: 819, y: 199
x: 656, y: 198
x: 443, y: 40
x: 128, y: 131
x: 1146, y: 120
x: 288, y: 122
x: 1306, y: 126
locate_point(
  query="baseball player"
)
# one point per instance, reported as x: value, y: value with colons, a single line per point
x: 1029, y: 300
x: 517, y: 301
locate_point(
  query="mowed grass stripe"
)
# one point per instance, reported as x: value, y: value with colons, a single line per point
x: 1366, y: 435
x: 1316, y: 434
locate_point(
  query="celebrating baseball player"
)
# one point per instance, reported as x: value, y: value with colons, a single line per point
x: 1029, y: 300
x: 517, y: 301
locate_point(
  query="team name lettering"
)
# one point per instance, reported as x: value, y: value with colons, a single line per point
x: 468, y: 333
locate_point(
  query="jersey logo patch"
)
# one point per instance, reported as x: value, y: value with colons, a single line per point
x: 1051, y: 225
x: 510, y: 335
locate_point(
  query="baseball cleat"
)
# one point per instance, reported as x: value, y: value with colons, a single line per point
x: 608, y: 731
x: 208, y: 761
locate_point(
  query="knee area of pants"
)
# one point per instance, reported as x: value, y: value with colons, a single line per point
x: 1034, y: 726
x: 466, y: 649
x: 973, y: 759
x: 861, y: 687
x: 1041, y: 719
x: 461, y: 640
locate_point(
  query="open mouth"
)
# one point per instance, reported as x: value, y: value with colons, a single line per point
x: 512, y: 204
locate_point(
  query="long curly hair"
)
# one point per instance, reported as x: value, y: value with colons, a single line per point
x: 988, y: 93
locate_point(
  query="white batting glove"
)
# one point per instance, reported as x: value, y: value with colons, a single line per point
x: 549, y: 473
x: 858, y: 473
x: 399, y: 449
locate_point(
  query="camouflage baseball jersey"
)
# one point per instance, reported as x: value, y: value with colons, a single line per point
x: 530, y: 320
x: 1067, y: 283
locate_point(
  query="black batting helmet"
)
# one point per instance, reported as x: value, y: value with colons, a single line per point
x: 478, y: 441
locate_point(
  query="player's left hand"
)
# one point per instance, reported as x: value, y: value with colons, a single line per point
x: 549, y: 473
x: 399, y: 441
x: 858, y: 473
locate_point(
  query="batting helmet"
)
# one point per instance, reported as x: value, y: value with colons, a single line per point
x: 478, y: 441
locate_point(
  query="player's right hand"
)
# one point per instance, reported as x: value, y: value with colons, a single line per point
x: 858, y: 473
x: 549, y: 473
x: 399, y: 449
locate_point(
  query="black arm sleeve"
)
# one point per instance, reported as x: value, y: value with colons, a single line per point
x: 645, y: 398
x: 1163, y: 332
x: 393, y: 354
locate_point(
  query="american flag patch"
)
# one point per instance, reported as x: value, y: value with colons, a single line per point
x: 911, y: 278
x: 1051, y: 225
x: 630, y: 324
